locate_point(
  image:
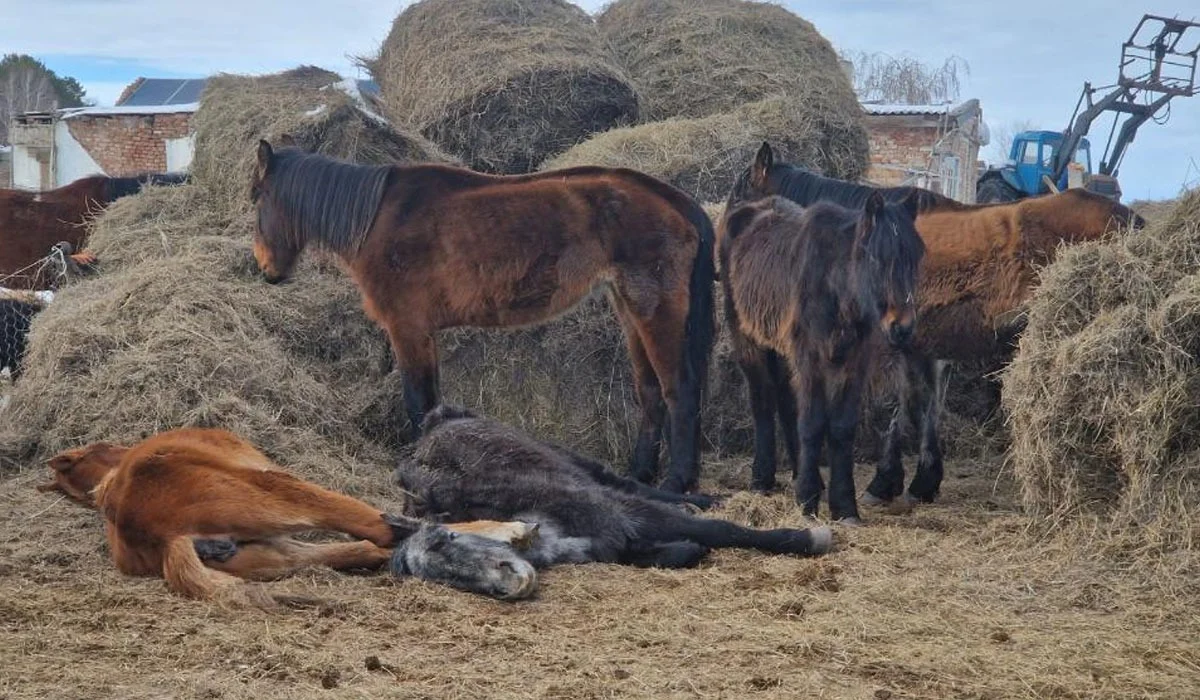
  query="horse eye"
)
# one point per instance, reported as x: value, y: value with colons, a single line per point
x: 453, y: 535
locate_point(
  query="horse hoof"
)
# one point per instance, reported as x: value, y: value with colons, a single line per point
x: 851, y: 521
x: 822, y: 539
x: 870, y: 499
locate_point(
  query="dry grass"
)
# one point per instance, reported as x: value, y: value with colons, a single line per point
x: 501, y: 83
x: 957, y: 600
x: 1102, y: 392
x: 310, y: 104
x: 697, y: 58
x: 703, y: 156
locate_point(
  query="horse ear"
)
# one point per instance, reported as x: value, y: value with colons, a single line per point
x: 874, y: 206
x: 761, y: 168
x: 265, y: 154
x: 912, y: 203
x: 61, y: 463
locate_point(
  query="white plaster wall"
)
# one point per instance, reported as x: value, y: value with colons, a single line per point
x: 71, y: 159
x: 179, y: 153
x: 26, y: 170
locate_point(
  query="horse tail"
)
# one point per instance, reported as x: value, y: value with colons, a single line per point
x: 700, y: 327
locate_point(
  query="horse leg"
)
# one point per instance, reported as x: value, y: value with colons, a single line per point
x: 753, y: 362
x: 788, y: 416
x: 889, y: 472
x: 279, y: 504
x: 928, y: 480
x: 643, y: 463
x: 188, y: 576
x: 265, y: 560
x: 663, y: 337
x: 888, y: 482
x: 682, y: 554
x: 811, y: 428
x: 660, y: 524
x: 843, y: 422
x: 416, y: 353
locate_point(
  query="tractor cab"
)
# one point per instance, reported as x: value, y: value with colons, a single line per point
x: 1032, y: 158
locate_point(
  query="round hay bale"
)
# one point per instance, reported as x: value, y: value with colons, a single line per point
x: 695, y: 58
x: 501, y: 83
x: 318, y: 109
x: 703, y: 156
x: 1101, y: 394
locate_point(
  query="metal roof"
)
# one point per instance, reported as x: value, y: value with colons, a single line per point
x: 157, y: 92
x: 873, y: 108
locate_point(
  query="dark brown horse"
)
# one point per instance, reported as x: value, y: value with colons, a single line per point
x: 31, y: 223
x: 808, y: 293
x: 980, y: 266
x: 433, y: 247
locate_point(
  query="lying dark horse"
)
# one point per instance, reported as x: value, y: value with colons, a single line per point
x: 433, y: 247
x: 807, y: 294
x: 31, y: 223
x: 980, y: 266
x: 466, y: 467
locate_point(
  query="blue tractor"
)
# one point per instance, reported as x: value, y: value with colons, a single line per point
x: 1154, y: 68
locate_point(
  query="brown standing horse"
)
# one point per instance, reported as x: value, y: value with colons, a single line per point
x: 981, y: 263
x: 31, y: 223
x: 817, y: 287
x: 434, y: 246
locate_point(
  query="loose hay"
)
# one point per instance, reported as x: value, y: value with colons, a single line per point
x: 1101, y: 395
x: 319, y: 110
x: 697, y: 58
x: 501, y: 83
x: 703, y: 156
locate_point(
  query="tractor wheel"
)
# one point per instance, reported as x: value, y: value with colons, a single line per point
x: 995, y: 189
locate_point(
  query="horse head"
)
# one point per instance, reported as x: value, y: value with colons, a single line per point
x: 888, y: 243
x: 756, y: 181
x: 276, y: 248
x: 465, y: 561
x: 78, y: 472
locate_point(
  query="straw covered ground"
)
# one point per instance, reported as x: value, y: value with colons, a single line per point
x: 962, y: 599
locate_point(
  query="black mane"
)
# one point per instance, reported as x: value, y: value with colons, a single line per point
x: 330, y: 202
x: 117, y: 187
x: 805, y: 188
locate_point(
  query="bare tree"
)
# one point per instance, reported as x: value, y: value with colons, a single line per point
x: 879, y: 77
x: 27, y: 85
x: 1002, y: 136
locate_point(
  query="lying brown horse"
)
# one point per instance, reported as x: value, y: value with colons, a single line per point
x: 816, y: 287
x: 31, y: 223
x: 205, y: 510
x: 434, y: 246
x: 981, y: 263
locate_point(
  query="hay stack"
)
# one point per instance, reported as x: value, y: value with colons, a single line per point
x: 1102, y: 393
x: 695, y: 58
x: 703, y: 156
x: 317, y: 108
x: 502, y: 83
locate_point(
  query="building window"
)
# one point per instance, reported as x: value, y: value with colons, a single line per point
x: 948, y: 173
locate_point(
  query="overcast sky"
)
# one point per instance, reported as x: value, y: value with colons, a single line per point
x: 1028, y: 59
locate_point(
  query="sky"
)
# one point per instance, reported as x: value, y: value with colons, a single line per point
x: 1028, y: 60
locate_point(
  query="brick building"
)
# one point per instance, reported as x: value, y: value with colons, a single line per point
x: 933, y: 146
x: 149, y: 129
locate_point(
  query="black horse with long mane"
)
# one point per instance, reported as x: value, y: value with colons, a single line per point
x: 980, y: 269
